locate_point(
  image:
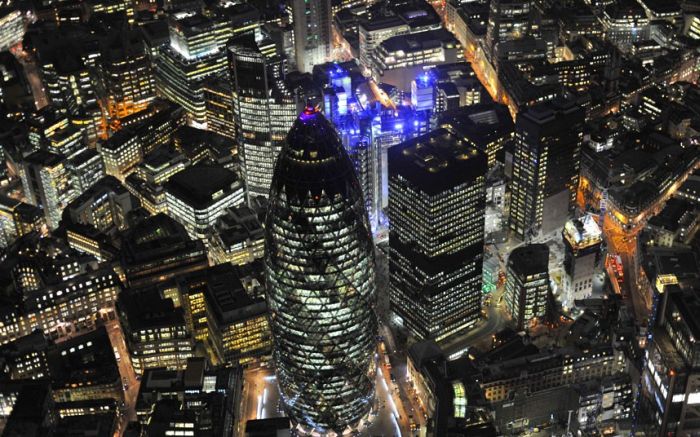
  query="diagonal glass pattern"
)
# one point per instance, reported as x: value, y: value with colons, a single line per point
x: 320, y: 280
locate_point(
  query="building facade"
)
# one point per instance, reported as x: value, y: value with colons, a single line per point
x: 546, y: 161
x: 437, y: 200
x: 527, y: 283
x: 264, y: 111
x: 312, y: 32
x: 320, y: 276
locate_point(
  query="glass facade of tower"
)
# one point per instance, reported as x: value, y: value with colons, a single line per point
x: 264, y: 110
x: 319, y: 265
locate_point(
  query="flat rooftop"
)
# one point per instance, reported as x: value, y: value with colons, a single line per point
x: 201, y: 185
x: 437, y: 161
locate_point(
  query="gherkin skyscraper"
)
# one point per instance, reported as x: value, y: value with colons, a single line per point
x: 319, y: 266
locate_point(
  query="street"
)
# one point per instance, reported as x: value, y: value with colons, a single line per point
x: 31, y: 71
x: 126, y: 370
x: 388, y: 418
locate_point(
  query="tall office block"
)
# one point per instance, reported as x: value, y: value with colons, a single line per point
x: 128, y: 75
x: 220, y: 112
x: 195, y: 53
x: 312, y: 32
x: 437, y: 198
x: 264, y: 110
x: 319, y: 268
x: 669, y: 401
x: 527, y: 283
x: 46, y: 184
x: 508, y: 20
x: 546, y: 161
x: 11, y: 28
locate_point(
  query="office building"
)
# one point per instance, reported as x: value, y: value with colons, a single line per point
x: 582, y: 241
x: 221, y: 314
x: 399, y: 59
x: 121, y: 153
x: 155, y: 330
x: 486, y: 126
x: 264, y: 111
x: 156, y: 125
x: 218, y: 102
x: 197, y: 196
x: 387, y: 126
x: 98, y: 423
x: 25, y: 357
x: 312, y: 33
x: 11, y: 28
x: 72, y: 304
x: 205, y: 147
x: 17, y: 219
x: 161, y: 164
x: 128, y: 74
x: 147, y: 182
x: 159, y: 249
x: 195, y: 53
x: 372, y: 32
x: 85, y: 168
x: 527, y: 284
x: 315, y: 197
x: 546, y: 161
x: 28, y: 408
x: 200, y: 400
x: 455, y: 85
x: 85, y: 368
x: 508, y: 20
x: 625, y: 22
x: 238, y: 236
x: 46, y: 184
x: 53, y: 130
x: 670, y: 398
x: 437, y: 200
x: 103, y: 206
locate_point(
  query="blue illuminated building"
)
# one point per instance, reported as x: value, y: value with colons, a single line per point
x: 369, y: 122
x: 422, y: 93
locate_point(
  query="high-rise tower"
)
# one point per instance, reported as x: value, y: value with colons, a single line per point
x: 527, y: 283
x: 264, y: 109
x: 437, y: 197
x: 319, y: 268
x: 508, y: 20
x: 546, y: 161
x: 312, y: 33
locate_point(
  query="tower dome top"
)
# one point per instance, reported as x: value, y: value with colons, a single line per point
x: 313, y: 160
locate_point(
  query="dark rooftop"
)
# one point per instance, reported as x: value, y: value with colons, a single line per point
x: 147, y: 309
x: 481, y: 123
x: 86, y: 359
x: 531, y: 259
x: 44, y: 158
x: 436, y: 162
x: 199, y: 185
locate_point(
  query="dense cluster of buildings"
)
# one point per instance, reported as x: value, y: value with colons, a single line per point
x: 232, y: 218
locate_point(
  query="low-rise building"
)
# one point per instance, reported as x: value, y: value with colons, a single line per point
x: 155, y: 330
x: 158, y: 249
x: 85, y: 368
x: 222, y: 314
x: 238, y: 237
x: 203, y: 400
x: 197, y: 196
